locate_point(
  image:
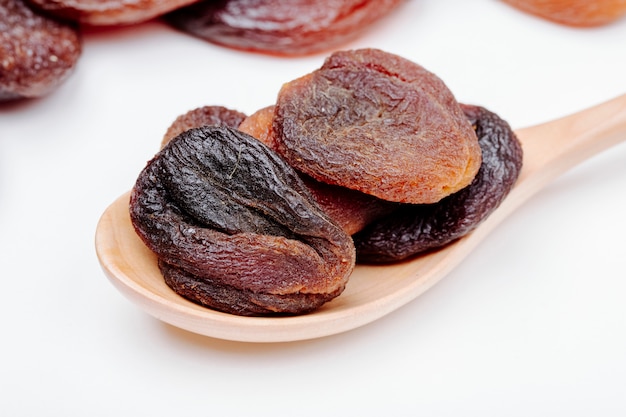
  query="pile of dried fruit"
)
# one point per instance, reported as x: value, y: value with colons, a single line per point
x: 367, y: 159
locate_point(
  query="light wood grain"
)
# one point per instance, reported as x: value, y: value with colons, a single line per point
x: 550, y: 149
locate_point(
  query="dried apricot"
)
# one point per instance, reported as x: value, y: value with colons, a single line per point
x: 109, y: 12
x: 295, y: 27
x: 259, y: 125
x: 203, y: 116
x: 351, y: 209
x: 37, y: 53
x: 414, y: 229
x: 234, y: 227
x: 229, y: 299
x: 377, y: 123
x: 574, y: 12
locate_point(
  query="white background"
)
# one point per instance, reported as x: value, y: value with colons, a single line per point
x: 533, y: 323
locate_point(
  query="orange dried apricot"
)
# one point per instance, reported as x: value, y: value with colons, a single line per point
x: 259, y: 125
x: 574, y: 12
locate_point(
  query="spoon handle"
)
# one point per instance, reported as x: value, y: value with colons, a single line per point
x: 554, y: 147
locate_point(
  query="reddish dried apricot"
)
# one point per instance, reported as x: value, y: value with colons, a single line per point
x: 377, y: 123
x: 293, y: 27
x: 203, y: 116
x: 350, y: 209
x: 414, y: 229
x: 234, y: 227
x: 109, y: 12
x: 574, y: 12
x: 37, y: 53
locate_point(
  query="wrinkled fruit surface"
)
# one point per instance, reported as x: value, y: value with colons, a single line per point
x: 203, y: 116
x: 259, y: 125
x: 234, y: 227
x: 109, y: 12
x: 351, y: 209
x: 414, y: 229
x: 574, y: 12
x: 295, y: 27
x: 242, y: 221
x: 374, y: 122
x: 37, y: 53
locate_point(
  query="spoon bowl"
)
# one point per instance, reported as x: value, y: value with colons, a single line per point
x: 550, y: 149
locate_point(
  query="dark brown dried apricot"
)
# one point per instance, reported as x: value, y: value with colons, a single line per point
x: 109, y: 12
x: 574, y: 12
x: 414, y: 229
x: 377, y: 123
x: 235, y: 228
x: 230, y: 299
x: 37, y: 53
x: 294, y: 27
x: 203, y: 116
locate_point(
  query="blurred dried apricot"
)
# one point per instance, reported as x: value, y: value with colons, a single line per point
x: 295, y: 27
x: 37, y: 53
x: 109, y: 12
x: 574, y: 12
x: 374, y: 122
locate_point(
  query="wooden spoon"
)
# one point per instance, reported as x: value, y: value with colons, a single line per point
x: 373, y: 291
